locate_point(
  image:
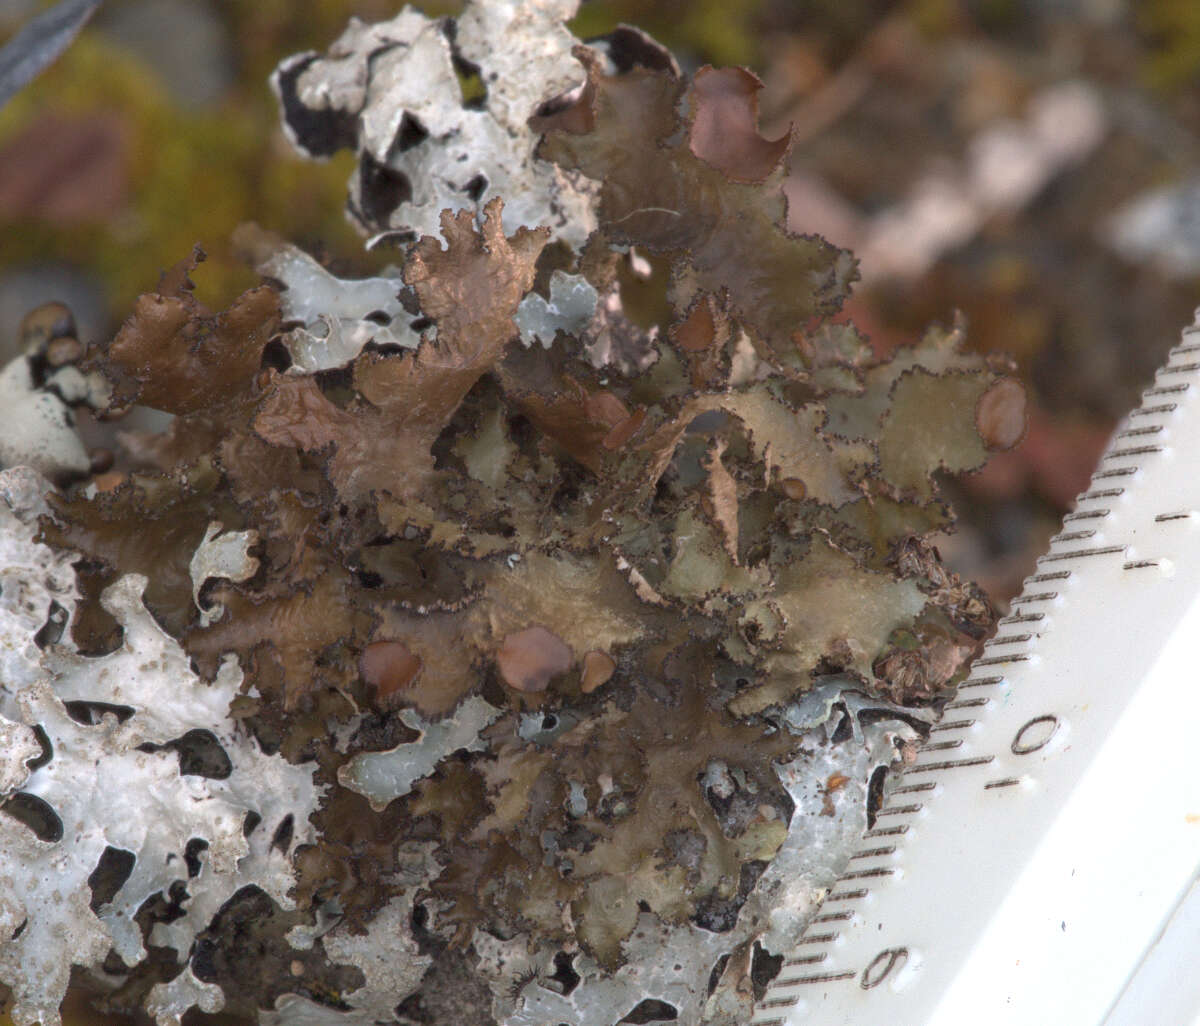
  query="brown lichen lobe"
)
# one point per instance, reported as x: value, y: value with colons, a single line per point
x: 176, y: 355
x: 723, y: 130
x: 657, y: 562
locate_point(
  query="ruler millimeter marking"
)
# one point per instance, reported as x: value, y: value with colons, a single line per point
x: 1029, y: 884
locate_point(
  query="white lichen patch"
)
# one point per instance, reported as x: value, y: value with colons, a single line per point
x: 337, y: 316
x: 570, y: 308
x: 36, y: 582
x: 829, y: 789
x: 138, y: 673
x: 384, y: 776
x: 387, y: 955
x: 392, y: 90
x: 106, y: 782
x: 37, y: 429
x: 103, y: 795
x: 18, y: 745
x: 668, y: 964
x: 275, y: 791
x: 221, y: 556
x: 44, y: 887
x: 169, y: 1002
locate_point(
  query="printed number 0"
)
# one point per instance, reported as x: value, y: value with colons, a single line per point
x: 1035, y: 734
x: 881, y: 966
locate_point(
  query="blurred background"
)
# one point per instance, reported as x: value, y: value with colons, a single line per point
x: 1034, y: 164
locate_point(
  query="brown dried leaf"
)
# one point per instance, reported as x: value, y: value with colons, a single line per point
x: 797, y: 450
x: 510, y: 779
x: 487, y: 451
x: 607, y: 913
x: 455, y: 794
x: 450, y: 662
x: 859, y: 413
x: 472, y: 289
x: 702, y: 565
x: 877, y: 523
x: 295, y: 413
x: 656, y: 755
x: 583, y: 599
x: 588, y: 424
x: 149, y: 526
x: 308, y: 633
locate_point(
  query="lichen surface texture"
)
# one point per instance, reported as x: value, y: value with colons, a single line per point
x: 466, y: 651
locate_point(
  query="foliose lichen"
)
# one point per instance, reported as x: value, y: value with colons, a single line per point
x: 499, y: 640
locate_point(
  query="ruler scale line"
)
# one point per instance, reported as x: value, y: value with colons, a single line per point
x: 1049, y: 575
x: 847, y: 896
x: 899, y: 810
x: 911, y: 789
x: 1010, y: 639
x: 1136, y: 450
x: 891, y: 831
x: 1022, y: 618
x: 1045, y: 596
x: 934, y: 767
x: 967, y: 703
x: 1104, y: 550
x: 952, y: 725
x: 874, y: 852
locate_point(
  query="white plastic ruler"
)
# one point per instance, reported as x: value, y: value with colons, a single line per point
x: 1037, y: 863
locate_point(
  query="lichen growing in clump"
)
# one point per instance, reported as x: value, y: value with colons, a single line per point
x: 545, y: 621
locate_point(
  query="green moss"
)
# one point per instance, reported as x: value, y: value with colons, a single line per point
x: 1173, y: 31
x: 192, y: 176
x: 719, y: 32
